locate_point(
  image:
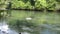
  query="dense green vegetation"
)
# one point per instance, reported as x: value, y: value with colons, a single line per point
x: 33, y: 4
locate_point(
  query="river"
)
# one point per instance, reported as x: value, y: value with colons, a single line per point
x: 46, y: 23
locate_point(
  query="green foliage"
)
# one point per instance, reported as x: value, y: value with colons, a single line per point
x: 51, y: 4
x: 28, y: 5
x: 25, y: 1
x: 18, y: 4
x: 38, y: 5
x: 31, y: 4
x: 58, y: 0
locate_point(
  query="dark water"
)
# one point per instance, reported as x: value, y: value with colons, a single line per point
x: 48, y: 23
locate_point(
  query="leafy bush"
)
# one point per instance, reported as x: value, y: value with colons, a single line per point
x: 31, y: 4
x: 18, y: 4
x: 51, y: 4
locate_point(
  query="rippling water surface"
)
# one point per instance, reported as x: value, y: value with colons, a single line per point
x: 49, y: 23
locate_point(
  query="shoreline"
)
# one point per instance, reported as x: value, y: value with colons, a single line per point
x: 40, y: 10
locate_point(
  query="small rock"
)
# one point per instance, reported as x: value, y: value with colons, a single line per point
x: 29, y: 18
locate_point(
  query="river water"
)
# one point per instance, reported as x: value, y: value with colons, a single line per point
x: 49, y: 27
x: 46, y: 30
x: 4, y: 26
